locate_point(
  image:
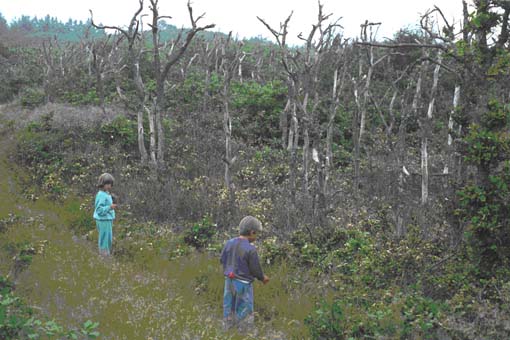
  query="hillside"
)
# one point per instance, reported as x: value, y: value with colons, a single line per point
x: 380, y: 171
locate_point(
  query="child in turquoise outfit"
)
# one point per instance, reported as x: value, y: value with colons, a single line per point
x: 104, y: 213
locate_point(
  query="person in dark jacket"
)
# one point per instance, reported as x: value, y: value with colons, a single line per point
x: 241, y: 266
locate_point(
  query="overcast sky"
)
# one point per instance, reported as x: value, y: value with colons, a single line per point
x: 239, y: 16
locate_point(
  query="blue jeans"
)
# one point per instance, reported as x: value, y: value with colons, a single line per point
x: 237, y: 304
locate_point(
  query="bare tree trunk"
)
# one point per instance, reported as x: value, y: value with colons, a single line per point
x: 152, y: 134
x: 228, y: 67
x: 449, y: 147
x: 207, y: 56
x: 415, y: 109
x: 97, y: 67
x: 140, y: 90
x: 101, y: 63
x: 158, y: 107
x: 141, y: 134
x: 335, y: 103
x: 424, y: 171
x: 359, y: 117
x: 227, y: 129
x: 356, y: 142
x: 365, y: 98
x: 331, y: 118
x: 400, y: 167
x: 284, y: 125
x: 161, y: 72
x: 240, y: 70
x: 207, y: 83
x: 425, y: 136
x: 294, y: 129
x: 306, y: 158
x: 47, y: 49
x: 133, y: 34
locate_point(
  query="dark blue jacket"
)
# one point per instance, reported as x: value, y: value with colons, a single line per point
x: 240, y: 257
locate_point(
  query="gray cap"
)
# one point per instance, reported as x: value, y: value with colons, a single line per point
x: 249, y: 224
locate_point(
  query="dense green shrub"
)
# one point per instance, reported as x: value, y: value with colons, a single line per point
x: 201, y: 233
x: 484, y: 203
x: 77, y: 98
x: 383, y: 314
x: 486, y: 210
x: 32, y: 97
x: 261, y: 106
x: 121, y: 130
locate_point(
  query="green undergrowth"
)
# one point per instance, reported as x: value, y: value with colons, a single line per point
x: 23, y: 239
x: 349, y: 281
x: 156, y: 284
x: 150, y: 293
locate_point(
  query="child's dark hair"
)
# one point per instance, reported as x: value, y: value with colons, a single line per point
x: 104, y: 179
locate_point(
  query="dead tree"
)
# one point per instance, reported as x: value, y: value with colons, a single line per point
x: 426, y: 132
x: 291, y: 76
x: 59, y: 62
x: 303, y: 70
x: 105, y: 60
x: 322, y: 41
x: 231, y: 58
x: 135, y: 50
x: 340, y: 70
x: 50, y: 70
x: 362, y: 94
x: 286, y: 55
x: 207, y: 62
x: 449, y: 152
x: 136, y: 43
x: 161, y: 70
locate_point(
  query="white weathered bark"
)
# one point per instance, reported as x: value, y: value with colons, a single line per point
x: 456, y: 97
x: 424, y: 171
x: 416, y: 100
x: 284, y: 126
x: 332, y: 114
x: 424, y: 144
x: 294, y: 129
x: 365, y: 97
x: 152, y: 133
x: 140, y: 89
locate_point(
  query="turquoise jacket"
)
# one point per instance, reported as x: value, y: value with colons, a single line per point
x: 102, y: 211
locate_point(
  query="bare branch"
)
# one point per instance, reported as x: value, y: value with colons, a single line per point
x: 189, y: 37
x: 132, y: 31
x: 417, y: 45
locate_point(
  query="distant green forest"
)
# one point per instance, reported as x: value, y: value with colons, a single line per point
x: 74, y: 30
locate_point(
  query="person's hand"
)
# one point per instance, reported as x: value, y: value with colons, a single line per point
x: 113, y: 206
x: 266, y: 279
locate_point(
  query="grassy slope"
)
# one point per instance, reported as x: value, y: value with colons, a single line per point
x: 150, y: 297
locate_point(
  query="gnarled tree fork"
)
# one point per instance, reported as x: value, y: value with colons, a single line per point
x: 165, y: 56
x: 162, y: 69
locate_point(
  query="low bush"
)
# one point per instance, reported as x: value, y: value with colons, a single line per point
x: 32, y: 97
x: 200, y: 234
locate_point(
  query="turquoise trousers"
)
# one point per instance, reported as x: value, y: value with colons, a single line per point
x: 104, y: 240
